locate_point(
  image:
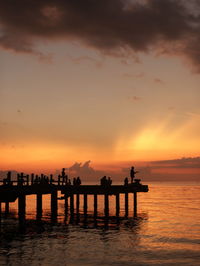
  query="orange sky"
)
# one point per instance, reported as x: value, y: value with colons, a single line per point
x: 73, y: 97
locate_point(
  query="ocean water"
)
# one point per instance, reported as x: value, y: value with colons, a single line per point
x: 166, y: 232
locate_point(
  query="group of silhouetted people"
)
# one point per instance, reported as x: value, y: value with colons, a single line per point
x: 106, y: 181
x: 43, y: 179
x: 63, y: 179
x: 76, y: 181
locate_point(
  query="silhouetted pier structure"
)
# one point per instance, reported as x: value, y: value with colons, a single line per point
x: 40, y: 185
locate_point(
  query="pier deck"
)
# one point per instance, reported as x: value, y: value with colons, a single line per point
x: 12, y: 190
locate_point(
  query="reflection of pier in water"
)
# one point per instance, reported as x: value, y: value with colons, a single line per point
x: 12, y: 190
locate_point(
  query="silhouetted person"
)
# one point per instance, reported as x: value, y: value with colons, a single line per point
x: 126, y: 181
x: 78, y: 181
x: 109, y: 182
x: 9, y: 177
x: 132, y: 173
x: 74, y: 181
x: 59, y: 180
x: 63, y: 172
x: 103, y: 181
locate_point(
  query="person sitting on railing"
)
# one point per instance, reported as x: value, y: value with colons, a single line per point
x: 103, y: 181
x: 106, y: 182
x: 126, y: 181
x: 109, y: 181
x: 74, y: 181
x: 78, y: 181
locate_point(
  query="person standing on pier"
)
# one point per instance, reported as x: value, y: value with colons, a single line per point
x: 132, y: 173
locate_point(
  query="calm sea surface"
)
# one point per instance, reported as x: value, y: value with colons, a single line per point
x: 166, y: 232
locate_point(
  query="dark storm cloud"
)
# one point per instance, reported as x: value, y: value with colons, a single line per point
x: 131, y: 25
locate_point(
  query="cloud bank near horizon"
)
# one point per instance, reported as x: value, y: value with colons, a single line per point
x: 164, y: 27
x: 183, y: 169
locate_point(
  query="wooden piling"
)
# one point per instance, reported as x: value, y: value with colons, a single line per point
x: 77, y: 203
x: 7, y: 207
x: 39, y: 205
x: 54, y: 205
x: 72, y: 204
x: 135, y: 204
x: 126, y: 204
x: 106, y: 205
x: 22, y: 207
x: 85, y: 204
x: 66, y: 204
x: 95, y: 205
x: 117, y: 205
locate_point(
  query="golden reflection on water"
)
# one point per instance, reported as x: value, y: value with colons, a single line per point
x: 167, y: 230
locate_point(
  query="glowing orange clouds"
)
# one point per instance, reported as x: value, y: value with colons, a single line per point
x: 158, y: 141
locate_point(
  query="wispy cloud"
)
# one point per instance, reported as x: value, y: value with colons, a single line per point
x: 159, y: 81
x: 135, y: 98
x: 86, y: 59
x: 138, y: 75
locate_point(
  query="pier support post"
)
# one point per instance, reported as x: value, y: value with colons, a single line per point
x: 135, y: 204
x: 95, y: 205
x: 126, y: 204
x: 72, y: 204
x: 77, y: 203
x: 22, y: 207
x: 39, y: 205
x: 85, y: 204
x: 117, y: 205
x: 106, y: 207
x: 6, y: 207
x: 0, y: 211
x: 66, y: 204
x: 54, y: 205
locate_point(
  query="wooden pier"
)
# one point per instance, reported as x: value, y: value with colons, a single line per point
x: 40, y: 185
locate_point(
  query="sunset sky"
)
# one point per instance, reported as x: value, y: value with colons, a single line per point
x: 108, y: 81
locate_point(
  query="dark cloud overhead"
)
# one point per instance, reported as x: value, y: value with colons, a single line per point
x: 132, y: 25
